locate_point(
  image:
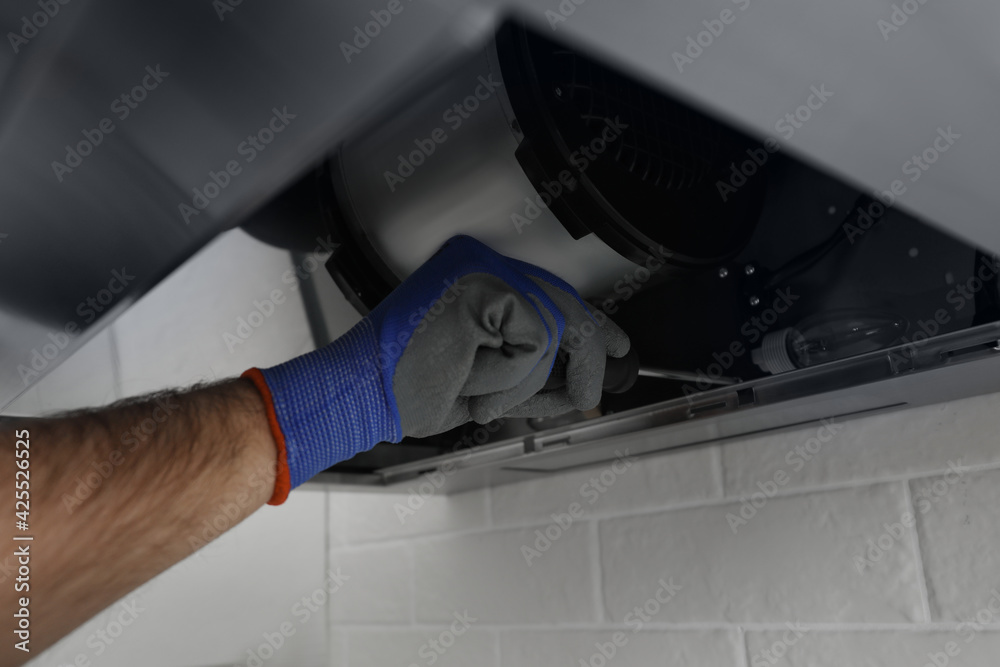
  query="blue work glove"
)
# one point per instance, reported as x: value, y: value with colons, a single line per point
x: 471, y: 335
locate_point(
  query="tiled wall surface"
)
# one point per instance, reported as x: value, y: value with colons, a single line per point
x: 214, y: 607
x: 869, y: 542
x: 872, y: 542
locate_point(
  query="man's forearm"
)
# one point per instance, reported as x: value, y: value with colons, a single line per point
x: 118, y: 495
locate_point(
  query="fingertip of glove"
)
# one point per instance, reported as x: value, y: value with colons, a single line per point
x: 483, y: 412
x: 587, y: 399
x: 618, y: 347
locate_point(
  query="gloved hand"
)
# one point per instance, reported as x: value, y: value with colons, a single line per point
x: 470, y: 335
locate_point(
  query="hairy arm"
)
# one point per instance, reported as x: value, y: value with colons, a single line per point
x: 120, y: 494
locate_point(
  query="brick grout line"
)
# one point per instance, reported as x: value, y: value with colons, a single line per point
x: 918, y: 555
x: 828, y: 628
x: 327, y: 612
x: 497, y: 653
x: 596, y: 573
x: 669, y: 507
x: 745, y: 645
x: 888, y: 479
x: 412, y: 567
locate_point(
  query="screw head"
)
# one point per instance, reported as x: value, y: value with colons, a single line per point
x: 723, y: 272
x: 754, y: 301
x: 749, y: 269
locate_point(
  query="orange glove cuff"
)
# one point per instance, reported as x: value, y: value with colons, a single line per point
x: 282, y: 481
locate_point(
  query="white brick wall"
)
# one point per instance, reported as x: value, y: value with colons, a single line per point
x: 864, y: 548
x: 874, y: 542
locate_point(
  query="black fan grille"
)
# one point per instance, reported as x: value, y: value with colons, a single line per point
x: 666, y: 146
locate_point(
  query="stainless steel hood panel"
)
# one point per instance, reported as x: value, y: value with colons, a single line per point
x: 959, y: 365
x: 939, y: 69
x: 119, y: 208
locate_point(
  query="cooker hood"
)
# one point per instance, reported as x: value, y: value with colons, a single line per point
x: 760, y: 290
x: 745, y: 291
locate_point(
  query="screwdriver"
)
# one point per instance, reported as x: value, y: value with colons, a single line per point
x: 620, y: 374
